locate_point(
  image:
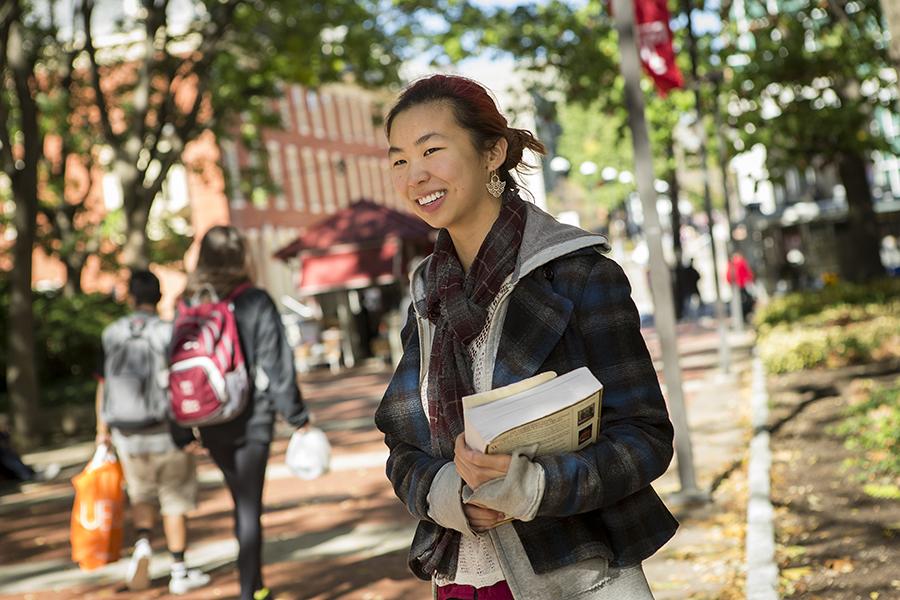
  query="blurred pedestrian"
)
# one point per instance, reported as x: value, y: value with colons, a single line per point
x: 692, y: 301
x: 740, y: 274
x: 509, y: 292
x: 132, y: 414
x: 240, y: 447
x: 13, y: 468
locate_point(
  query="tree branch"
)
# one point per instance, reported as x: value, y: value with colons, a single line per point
x: 149, y: 66
x: 22, y: 67
x: 87, y: 9
x: 8, y: 12
x: 187, y: 129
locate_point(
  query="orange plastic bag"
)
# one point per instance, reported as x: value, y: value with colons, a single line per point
x: 98, y: 511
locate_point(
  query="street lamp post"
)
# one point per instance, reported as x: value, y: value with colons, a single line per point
x: 724, y: 348
x: 664, y: 314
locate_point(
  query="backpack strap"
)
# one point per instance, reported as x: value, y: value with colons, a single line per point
x: 136, y: 325
x: 240, y: 289
x: 197, y: 297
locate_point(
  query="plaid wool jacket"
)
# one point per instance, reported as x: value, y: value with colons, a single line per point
x: 564, y: 312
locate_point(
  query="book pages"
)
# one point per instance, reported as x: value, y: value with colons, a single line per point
x: 560, y: 414
x: 507, y: 390
x: 566, y: 430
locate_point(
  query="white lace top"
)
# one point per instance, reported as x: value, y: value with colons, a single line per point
x: 478, y: 564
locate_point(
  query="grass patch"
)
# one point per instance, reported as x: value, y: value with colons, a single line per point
x: 871, y: 429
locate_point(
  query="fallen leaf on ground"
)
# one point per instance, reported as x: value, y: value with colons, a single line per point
x: 795, y: 573
x: 840, y: 565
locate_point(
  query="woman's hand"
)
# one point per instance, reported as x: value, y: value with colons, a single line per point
x: 475, y: 467
x: 481, y: 519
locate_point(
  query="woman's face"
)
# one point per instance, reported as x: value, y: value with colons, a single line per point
x: 439, y: 172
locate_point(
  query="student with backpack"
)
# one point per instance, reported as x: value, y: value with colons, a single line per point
x: 230, y: 370
x: 133, y: 414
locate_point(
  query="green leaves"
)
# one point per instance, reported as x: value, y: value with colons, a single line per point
x: 807, y: 81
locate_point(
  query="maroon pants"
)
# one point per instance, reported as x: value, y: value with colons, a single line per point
x: 498, y: 591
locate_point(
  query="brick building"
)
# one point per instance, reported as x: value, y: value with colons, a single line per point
x: 328, y: 153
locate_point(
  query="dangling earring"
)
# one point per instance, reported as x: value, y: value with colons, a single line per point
x: 495, y: 187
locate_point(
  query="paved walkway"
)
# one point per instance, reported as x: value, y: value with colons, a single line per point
x: 345, y: 535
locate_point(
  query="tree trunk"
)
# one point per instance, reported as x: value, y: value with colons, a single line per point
x: 21, y: 377
x: 136, y: 251
x: 674, y: 192
x: 862, y: 238
x: 74, y: 267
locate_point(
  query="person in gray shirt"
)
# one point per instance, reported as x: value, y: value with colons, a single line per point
x: 132, y: 415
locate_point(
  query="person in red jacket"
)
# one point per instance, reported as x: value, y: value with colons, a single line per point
x: 740, y: 273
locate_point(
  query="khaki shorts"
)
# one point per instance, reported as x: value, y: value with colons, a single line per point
x: 170, y: 477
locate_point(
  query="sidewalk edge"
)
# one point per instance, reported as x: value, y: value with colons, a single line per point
x: 762, y: 571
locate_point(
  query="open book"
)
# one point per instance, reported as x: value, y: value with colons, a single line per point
x: 560, y: 414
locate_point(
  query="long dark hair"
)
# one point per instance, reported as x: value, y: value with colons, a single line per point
x: 476, y: 112
x: 223, y: 263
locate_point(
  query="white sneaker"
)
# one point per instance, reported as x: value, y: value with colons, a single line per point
x: 186, y: 581
x: 137, y: 577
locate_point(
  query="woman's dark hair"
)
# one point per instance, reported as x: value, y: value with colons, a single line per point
x: 476, y: 112
x: 223, y: 262
x: 144, y: 287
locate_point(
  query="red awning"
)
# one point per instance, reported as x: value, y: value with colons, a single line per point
x: 357, y: 247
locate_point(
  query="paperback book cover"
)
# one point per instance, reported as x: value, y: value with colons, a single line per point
x: 559, y: 413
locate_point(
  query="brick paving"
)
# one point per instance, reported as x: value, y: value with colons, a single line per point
x: 345, y: 535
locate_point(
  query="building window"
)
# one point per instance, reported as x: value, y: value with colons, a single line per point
x: 359, y: 131
x: 356, y: 192
x: 368, y: 124
x: 284, y: 110
x: 325, y: 178
x: 315, y: 113
x: 277, y: 173
x: 343, y: 105
x: 377, y: 183
x: 340, y: 179
x: 312, y: 187
x: 365, y: 178
x: 391, y: 198
x: 233, y: 171
x: 330, y: 116
x: 257, y: 259
x: 293, y: 168
x: 300, y: 109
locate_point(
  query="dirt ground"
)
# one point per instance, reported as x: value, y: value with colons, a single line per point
x: 834, y: 541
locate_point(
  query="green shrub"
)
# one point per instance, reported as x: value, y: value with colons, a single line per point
x: 814, y: 342
x: 871, y: 426
x: 67, y: 341
x: 793, y: 307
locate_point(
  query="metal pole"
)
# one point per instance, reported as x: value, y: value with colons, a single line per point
x: 659, y: 273
x: 737, y: 311
x: 724, y: 348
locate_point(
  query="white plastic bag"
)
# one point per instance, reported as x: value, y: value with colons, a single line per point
x: 308, y: 454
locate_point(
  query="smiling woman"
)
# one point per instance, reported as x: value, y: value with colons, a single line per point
x: 507, y: 293
x: 444, y: 153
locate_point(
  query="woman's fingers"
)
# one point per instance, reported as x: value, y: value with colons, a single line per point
x: 494, y: 463
x: 481, y: 518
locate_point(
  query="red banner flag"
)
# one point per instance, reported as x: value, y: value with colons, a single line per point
x: 655, y: 44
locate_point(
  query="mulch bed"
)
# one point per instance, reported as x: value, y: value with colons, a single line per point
x: 834, y: 541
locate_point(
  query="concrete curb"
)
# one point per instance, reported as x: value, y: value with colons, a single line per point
x: 762, y: 571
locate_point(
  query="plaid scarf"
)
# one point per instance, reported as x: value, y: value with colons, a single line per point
x: 458, y: 306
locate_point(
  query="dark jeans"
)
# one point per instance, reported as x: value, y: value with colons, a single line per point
x: 244, y: 468
x: 11, y: 465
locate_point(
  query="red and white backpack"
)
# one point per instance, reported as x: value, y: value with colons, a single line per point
x: 208, y: 378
